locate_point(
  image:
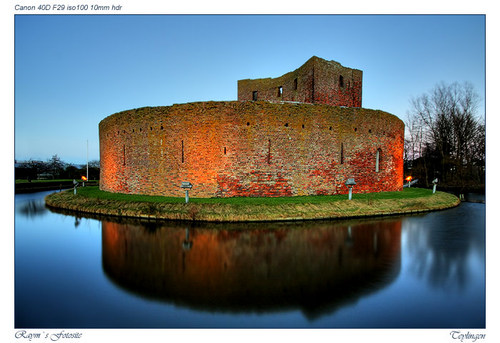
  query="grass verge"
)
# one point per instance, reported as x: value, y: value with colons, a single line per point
x: 93, y: 200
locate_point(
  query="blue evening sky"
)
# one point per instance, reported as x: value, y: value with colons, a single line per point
x: 72, y: 71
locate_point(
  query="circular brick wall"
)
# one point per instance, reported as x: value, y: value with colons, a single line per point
x: 250, y: 149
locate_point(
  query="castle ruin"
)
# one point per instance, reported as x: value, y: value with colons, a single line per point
x: 303, y: 133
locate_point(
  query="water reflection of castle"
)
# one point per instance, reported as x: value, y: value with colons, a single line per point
x: 315, y: 268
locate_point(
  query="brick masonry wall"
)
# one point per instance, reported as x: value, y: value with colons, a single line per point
x: 317, y: 81
x: 250, y: 149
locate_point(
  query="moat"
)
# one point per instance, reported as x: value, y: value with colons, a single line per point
x: 395, y: 272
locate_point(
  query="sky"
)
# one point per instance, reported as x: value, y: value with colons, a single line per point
x: 72, y: 71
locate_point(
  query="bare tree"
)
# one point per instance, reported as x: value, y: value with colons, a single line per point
x: 55, y: 166
x: 447, y: 125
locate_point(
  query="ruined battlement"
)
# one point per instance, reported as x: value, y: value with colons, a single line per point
x: 317, y: 81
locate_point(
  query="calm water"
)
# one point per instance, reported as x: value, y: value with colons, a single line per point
x: 424, y: 271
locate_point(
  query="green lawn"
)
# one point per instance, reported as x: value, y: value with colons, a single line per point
x: 407, y: 193
x: 92, y: 200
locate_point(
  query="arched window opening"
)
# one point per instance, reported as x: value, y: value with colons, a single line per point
x: 341, y: 81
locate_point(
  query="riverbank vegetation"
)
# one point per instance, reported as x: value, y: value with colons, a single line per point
x: 54, y: 169
x: 446, y: 138
x: 93, y: 200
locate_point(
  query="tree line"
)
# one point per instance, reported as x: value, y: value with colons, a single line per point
x: 446, y: 138
x: 55, y: 168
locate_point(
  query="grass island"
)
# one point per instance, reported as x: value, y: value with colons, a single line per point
x: 240, y: 209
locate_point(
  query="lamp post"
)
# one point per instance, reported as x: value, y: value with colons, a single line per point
x: 87, y: 160
x: 350, y: 183
x: 409, y: 181
x: 434, y: 184
x: 187, y: 186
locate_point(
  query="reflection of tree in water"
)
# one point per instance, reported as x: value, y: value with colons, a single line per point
x: 440, y: 245
x: 32, y: 208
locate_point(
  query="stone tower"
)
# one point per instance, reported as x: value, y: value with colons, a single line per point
x: 317, y: 81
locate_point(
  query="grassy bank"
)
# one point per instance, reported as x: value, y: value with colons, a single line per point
x: 23, y: 186
x: 410, y: 200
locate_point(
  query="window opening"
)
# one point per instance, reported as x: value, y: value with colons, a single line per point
x: 224, y: 150
x: 280, y: 91
x: 295, y: 84
x: 269, y: 151
x: 182, y: 151
x: 341, y: 81
x: 377, y: 160
x: 341, y: 153
x: 254, y: 95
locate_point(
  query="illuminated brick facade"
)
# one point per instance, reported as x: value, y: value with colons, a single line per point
x: 247, y: 148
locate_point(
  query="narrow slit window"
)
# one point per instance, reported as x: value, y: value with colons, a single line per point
x: 341, y: 153
x: 182, y: 151
x: 123, y: 154
x: 254, y: 95
x: 295, y: 84
x: 377, y: 160
x: 224, y: 150
x: 269, y: 151
x: 341, y: 81
x: 280, y: 91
